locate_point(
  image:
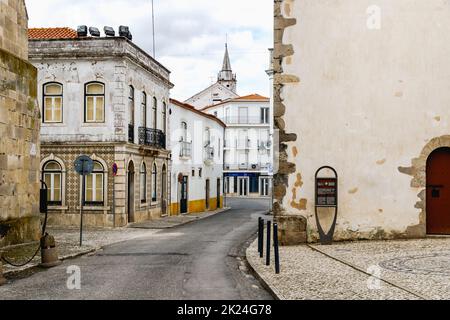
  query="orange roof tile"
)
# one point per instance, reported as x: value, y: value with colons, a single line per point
x: 254, y: 96
x: 52, y: 33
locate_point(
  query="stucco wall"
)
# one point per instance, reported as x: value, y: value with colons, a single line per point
x: 364, y: 100
x: 212, y: 170
x: 19, y: 129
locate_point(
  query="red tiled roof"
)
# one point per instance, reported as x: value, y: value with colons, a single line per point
x: 249, y: 98
x: 192, y: 108
x: 52, y: 33
x: 252, y: 97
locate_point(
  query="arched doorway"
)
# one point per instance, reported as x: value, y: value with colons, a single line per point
x: 130, y: 193
x: 438, y: 192
x: 164, y: 200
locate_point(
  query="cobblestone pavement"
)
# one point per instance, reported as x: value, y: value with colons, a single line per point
x: 413, y: 269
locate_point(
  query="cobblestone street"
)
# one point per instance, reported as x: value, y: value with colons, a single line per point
x: 408, y: 270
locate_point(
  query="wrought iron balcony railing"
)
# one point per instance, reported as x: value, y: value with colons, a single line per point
x: 152, y: 138
x: 185, y: 149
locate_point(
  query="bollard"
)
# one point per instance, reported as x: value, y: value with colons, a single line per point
x: 261, y: 237
x: 269, y: 226
x: 276, y: 248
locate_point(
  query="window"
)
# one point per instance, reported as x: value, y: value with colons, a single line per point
x: 164, y: 118
x: 143, y: 182
x: 53, y: 178
x: 95, y: 186
x: 215, y: 114
x: 184, y: 128
x: 131, y: 104
x: 243, y: 115
x: 193, y: 172
x: 207, y: 137
x: 53, y: 103
x: 200, y: 172
x: 154, y: 183
x: 95, y: 102
x: 265, y: 115
x: 144, y: 110
x: 155, y: 113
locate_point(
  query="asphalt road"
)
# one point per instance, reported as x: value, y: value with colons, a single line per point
x: 202, y: 260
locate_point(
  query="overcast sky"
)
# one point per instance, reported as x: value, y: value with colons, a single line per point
x: 190, y: 35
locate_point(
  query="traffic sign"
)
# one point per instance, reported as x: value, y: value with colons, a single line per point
x: 84, y: 165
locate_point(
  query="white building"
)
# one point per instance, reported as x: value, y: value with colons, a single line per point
x: 105, y: 98
x: 363, y: 88
x: 197, y: 160
x: 248, y: 160
x: 224, y: 89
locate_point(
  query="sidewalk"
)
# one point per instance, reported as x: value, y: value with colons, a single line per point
x: 408, y: 270
x: 175, y: 221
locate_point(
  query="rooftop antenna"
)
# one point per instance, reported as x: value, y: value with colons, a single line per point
x: 153, y: 30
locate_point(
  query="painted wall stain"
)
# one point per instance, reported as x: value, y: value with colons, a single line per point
x: 399, y: 94
x: 353, y: 191
x: 295, y: 151
x: 301, y: 205
x: 438, y: 118
x: 381, y: 162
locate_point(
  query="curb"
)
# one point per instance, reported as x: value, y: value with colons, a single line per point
x: 199, y: 218
x: 263, y: 282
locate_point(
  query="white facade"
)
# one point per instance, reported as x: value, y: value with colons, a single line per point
x: 248, y: 162
x: 212, y: 95
x: 363, y: 87
x: 197, y: 160
x: 108, y: 99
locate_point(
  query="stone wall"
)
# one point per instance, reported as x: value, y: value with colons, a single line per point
x: 19, y: 129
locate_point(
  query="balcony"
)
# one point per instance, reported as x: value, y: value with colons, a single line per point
x: 245, y: 121
x: 152, y: 138
x: 185, y: 149
x: 131, y: 133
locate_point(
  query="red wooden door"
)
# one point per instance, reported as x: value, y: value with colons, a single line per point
x: 438, y: 192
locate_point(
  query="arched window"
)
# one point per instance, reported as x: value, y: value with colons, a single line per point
x: 95, y: 185
x: 94, y: 102
x: 144, y: 110
x: 155, y: 113
x: 53, y: 103
x: 52, y: 174
x: 154, y: 183
x: 143, y: 183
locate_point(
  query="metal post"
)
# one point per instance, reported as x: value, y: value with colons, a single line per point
x: 83, y: 196
x: 114, y: 203
x: 269, y: 226
x: 261, y: 237
x: 276, y: 248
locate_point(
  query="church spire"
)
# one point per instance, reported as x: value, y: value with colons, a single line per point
x: 226, y: 76
x: 226, y: 60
